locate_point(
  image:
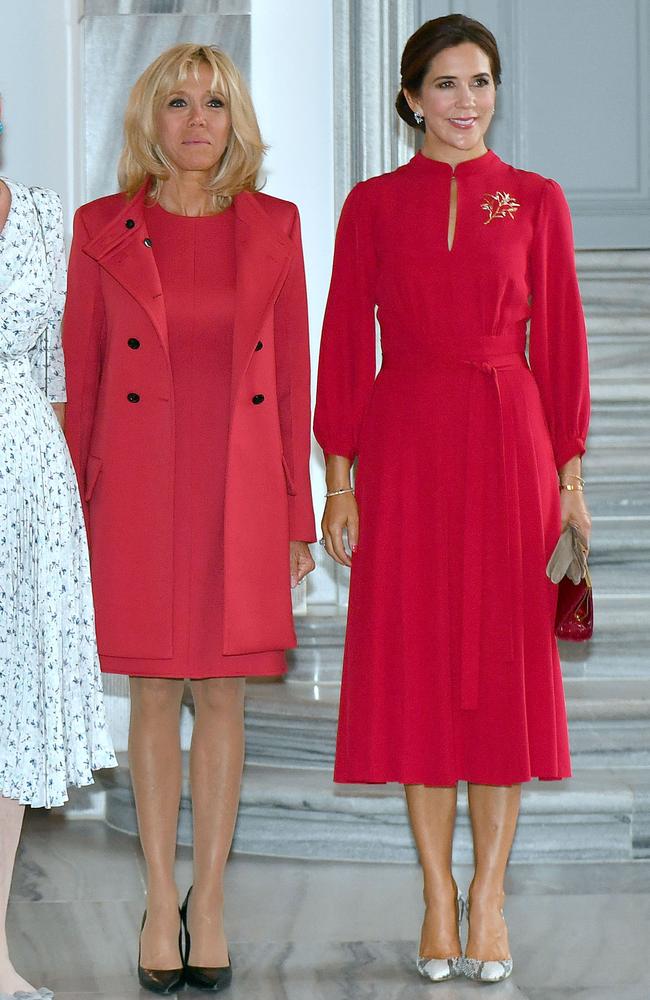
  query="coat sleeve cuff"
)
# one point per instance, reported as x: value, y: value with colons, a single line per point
x: 302, y: 527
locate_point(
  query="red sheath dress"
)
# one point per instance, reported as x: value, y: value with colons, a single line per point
x: 196, y: 261
x: 451, y: 667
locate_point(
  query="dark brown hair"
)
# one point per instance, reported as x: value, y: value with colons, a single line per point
x: 430, y: 39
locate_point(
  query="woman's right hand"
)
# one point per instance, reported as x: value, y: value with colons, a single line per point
x: 341, y: 513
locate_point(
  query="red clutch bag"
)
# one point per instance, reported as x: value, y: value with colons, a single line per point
x: 574, y: 620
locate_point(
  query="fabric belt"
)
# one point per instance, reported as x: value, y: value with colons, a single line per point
x: 486, y: 358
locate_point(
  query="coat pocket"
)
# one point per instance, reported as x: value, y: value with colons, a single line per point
x: 93, y: 468
x: 291, y: 489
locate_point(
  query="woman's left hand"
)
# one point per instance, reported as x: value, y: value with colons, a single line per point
x: 575, y: 511
x: 301, y: 562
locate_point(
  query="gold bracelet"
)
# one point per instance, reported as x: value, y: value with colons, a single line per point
x: 572, y: 487
x: 571, y: 475
x: 336, y: 493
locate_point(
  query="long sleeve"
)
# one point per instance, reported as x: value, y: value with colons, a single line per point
x: 294, y: 390
x: 558, y: 339
x: 46, y: 356
x: 346, y: 370
x: 83, y: 332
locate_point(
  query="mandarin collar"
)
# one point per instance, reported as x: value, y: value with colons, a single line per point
x: 467, y: 168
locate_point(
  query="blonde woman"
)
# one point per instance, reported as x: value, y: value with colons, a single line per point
x: 188, y: 421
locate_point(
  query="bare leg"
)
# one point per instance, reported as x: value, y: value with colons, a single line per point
x: 216, y: 762
x: 493, y: 811
x: 156, y: 774
x: 11, y: 821
x: 433, y: 814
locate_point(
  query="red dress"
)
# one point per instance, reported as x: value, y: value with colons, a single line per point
x: 200, y: 314
x: 451, y: 667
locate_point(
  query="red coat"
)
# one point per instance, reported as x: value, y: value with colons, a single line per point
x: 114, y: 294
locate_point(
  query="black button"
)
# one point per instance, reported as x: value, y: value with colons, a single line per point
x: 133, y: 343
x: 258, y: 399
x: 259, y: 345
x: 133, y: 397
x: 147, y: 242
x: 129, y: 223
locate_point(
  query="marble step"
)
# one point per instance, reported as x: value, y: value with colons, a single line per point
x: 620, y: 537
x: 613, y: 498
x: 582, y: 818
x: 609, y: 325
x: 619, y: 648
x: 609, y: 723
x: 619, y: 387
x: 616, y: 421
x: 621, y: 459
x: 299, y: 813
x: 617, y: 358
x: 614, y: 283
x: 619, y: 578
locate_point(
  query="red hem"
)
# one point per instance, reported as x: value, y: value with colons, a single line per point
x: 449, y: 784
x: 197, y: 677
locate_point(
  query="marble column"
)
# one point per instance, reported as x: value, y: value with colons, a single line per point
x: 368, y: 39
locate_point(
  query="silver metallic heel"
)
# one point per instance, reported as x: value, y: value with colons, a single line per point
x: 486, y: 972
x: 439, y: 970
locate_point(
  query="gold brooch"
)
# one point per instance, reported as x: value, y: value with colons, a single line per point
x: 499, y: 206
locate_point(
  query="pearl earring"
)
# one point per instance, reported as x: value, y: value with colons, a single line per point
x: 418, y: 117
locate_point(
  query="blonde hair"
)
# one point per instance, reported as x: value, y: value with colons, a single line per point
x: 142, y: 158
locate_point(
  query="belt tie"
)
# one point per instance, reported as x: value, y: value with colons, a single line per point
x: 478, y: 448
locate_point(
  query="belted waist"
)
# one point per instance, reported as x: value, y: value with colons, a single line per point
x: 484, y: 353
x: 14, y: 368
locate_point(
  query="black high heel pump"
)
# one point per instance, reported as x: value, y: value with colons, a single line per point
x: 161, y: 980
x: 198, y: 976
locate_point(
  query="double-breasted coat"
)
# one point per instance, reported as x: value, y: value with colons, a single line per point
x: 120, y: 425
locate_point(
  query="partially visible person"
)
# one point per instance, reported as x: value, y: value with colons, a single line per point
x: 189, y: 424
x: 53, y: 730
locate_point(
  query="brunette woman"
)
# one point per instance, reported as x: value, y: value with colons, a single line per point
x: 468, y: 465
x: 188, y: 422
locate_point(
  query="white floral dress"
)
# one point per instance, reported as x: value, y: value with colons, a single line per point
x: 53, y: 729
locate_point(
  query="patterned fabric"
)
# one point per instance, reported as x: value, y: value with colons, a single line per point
x: 53, y: 729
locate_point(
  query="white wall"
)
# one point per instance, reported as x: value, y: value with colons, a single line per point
x: 41, y: 95
x: 575, y: 105
x: 293, y: 95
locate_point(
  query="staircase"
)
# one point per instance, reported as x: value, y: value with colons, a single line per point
x: 290, y: 806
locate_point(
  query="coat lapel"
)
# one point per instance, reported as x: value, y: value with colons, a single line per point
x: 120, y: 249
x: 263, y: 255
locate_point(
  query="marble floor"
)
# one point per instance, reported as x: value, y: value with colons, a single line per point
x: 320, y: 930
